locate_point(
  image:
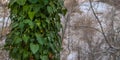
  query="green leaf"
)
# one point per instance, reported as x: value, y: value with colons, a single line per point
x: 58, y: 25
x: 26, y: 8
x: 25, y: 38
x: 36, y: 8
x: 34, y: 48
x: 21, y: 2
x: 45, y: 52
x: 31, y: 15
x: 33, y: 1
x: 44, y: 24
x: 45, y: 2
x: 44, y: 57
x: 47, y: 20
x: 14, y: 25
x: 42, y: 15
x: 21, y: 25
x: 53, y: 47
x: 49, y: 9
x: 38, y: 22
x: 29, y: 22
x: 39, y: 39
x: 14, y: 10
x: 18, y: 40
x: 25, y: 54
x: 12, y: 2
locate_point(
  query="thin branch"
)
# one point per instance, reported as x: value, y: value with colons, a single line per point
x: 100, y: 24
x: 66, y: 20
x: 81, y: 27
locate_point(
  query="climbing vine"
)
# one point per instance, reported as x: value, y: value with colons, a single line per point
x: 34, y: 30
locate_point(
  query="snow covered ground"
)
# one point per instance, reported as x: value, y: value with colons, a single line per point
x: 84, y: 39
x: 4, y: 13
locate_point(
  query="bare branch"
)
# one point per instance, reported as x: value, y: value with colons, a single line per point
x: 100, y: 24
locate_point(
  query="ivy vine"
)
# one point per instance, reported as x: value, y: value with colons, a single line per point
x: 34, y: 30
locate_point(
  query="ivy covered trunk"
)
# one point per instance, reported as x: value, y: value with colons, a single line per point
x: 34, y: 30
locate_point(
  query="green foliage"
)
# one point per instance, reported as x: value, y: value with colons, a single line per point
x: 34, y: 30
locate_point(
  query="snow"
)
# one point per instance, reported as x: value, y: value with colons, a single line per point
x: 99, y: 7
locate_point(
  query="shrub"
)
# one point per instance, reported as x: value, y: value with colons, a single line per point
x: 34, y: 30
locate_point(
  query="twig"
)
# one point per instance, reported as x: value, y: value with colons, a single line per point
x: 66, y: 20
x: 100, y: 25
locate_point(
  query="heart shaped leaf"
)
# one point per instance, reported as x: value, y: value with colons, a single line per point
x: 31, y: 15
x: 34, y: 47
x: 12, y: 2
x: 21, y: 2
x: 39, y: 39
x: 33, y: 1
x: 25, y: 38
x: 49, y: 9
